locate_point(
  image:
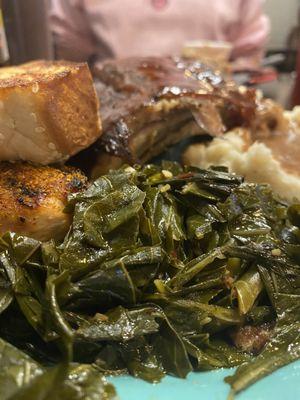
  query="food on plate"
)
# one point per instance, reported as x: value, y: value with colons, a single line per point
x: 148, y: 270
x: 48, y: 111
x: 33, y: 198
x: 164, y: 271
x: 264, y: 156
x: 148, y: 104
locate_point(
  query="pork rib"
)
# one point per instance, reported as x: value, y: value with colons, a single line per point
x: 148, y: 104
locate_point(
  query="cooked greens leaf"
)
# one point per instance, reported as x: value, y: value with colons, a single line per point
x: 246, y: 289
x: 7, y: 280
x: 120, y: 324
x: 163, y: 270
x: 75, y: 383
x: 104, y: 216
x: 16, y: 370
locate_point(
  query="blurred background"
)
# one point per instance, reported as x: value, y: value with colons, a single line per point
x: 28, y: 33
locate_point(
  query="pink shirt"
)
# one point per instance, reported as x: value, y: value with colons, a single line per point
x: 122, y: 28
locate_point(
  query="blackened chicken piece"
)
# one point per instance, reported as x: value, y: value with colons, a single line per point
x: 33, y: 198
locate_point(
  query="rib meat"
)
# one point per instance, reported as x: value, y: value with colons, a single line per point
x: 148, y: 104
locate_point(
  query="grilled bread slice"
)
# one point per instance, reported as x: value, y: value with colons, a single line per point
x: 48, y: 111
x: 33, y: 198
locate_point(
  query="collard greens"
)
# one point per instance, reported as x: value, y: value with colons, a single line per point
x: 165, y: 270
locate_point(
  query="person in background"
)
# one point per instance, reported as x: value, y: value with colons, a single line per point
x: 292, y: 45
x: 94, y: 30
x: 293, y: 39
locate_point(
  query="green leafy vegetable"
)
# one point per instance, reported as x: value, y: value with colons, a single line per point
x: 162, y: 271
x: 120, y: 324
x: 16, y: 370
x: 246, y: 289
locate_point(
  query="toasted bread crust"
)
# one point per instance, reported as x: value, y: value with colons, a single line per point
x: 48, y: 111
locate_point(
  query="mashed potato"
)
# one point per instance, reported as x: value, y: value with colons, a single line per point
x: 254, y: 161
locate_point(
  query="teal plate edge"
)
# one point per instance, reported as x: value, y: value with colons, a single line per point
x: 281, y: 384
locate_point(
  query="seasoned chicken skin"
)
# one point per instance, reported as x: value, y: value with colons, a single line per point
x: 32, y: 199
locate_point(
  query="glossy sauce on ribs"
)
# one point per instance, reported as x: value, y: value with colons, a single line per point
x: 148, y: 104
